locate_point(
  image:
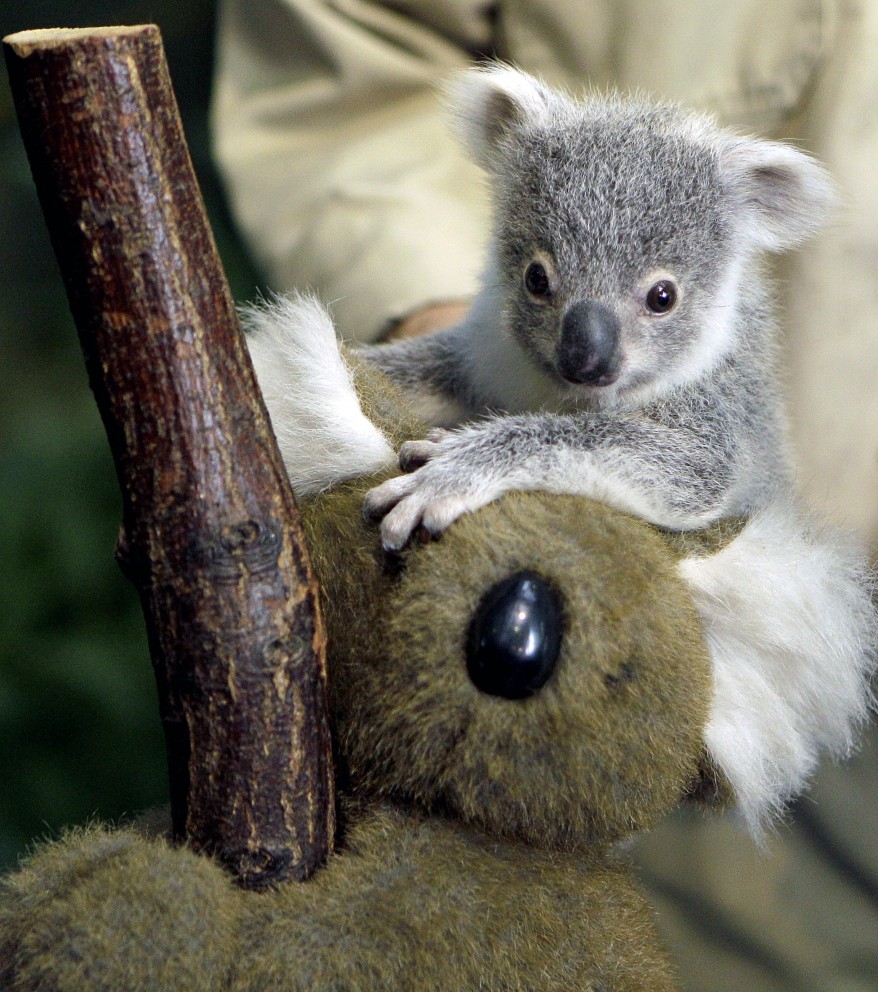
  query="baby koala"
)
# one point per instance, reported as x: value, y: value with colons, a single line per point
x: 623, y: 344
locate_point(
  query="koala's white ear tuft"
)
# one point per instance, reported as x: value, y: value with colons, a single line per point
x: 488, y: 103
x: 782, y: 195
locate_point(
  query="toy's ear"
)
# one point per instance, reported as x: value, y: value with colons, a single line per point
x: 781, y: 195
x: 309, y: 389
x: 791, y: 631
x: 488, y: 104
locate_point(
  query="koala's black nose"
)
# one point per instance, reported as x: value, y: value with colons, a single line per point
x: 588, y: 351
x: 515, y: 637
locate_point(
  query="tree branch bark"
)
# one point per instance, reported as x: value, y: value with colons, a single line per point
x: 210, y: 533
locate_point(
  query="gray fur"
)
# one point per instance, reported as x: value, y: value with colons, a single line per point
x: 610, y: 196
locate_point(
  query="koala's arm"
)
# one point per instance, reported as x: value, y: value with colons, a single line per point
x: 669, y: 475
x: 429, y: 372
x: 466, y: 370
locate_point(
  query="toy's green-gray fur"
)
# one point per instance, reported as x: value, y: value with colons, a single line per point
x: 475, y: 829
x: 610, y: 743
x: 410, y: 903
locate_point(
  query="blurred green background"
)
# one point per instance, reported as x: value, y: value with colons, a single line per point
x: 79, y: 729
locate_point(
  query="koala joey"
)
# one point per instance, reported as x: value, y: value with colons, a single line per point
x: 623, y: 344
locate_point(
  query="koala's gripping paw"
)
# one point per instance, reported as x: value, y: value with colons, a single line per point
x: 442, y: 484
x: 415, y: 454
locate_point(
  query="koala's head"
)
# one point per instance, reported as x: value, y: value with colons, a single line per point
x: 623, y: 228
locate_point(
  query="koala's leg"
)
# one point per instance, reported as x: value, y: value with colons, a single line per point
x: 667, y: 476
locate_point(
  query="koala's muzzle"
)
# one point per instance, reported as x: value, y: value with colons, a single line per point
x: 588, y: 352
x: 515, y: 637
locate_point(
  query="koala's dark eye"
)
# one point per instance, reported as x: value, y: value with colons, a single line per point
x: 662, y: 298
x: 536, y: 280
x: 515, y: 637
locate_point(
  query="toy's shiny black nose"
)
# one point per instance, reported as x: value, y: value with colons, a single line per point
x: 588, y: 351
x: 515, y: 637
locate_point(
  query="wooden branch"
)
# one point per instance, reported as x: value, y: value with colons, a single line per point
x: 211, y: 536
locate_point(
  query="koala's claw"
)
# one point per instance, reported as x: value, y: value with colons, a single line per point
x: 414, y: 454
x: 399, y: 524
x: 407, y: 504
x: 382, y: 499
x: 439, y: 487
x: 419, y: 514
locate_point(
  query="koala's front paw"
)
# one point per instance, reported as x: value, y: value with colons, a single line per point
x: 441, y: 485
x: 414, y: 454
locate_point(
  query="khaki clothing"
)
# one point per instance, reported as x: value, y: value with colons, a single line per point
x: 338, y: 157
x: 344, y: 177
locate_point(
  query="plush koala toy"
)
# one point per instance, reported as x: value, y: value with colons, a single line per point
x: 509, y: 702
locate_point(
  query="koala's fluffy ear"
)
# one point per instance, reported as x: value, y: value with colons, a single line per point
x: 781, y: 194
x: 486, y: 104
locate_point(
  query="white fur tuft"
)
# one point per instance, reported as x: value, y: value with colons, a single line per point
x: 323, y: 435
x: 792, y: 633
